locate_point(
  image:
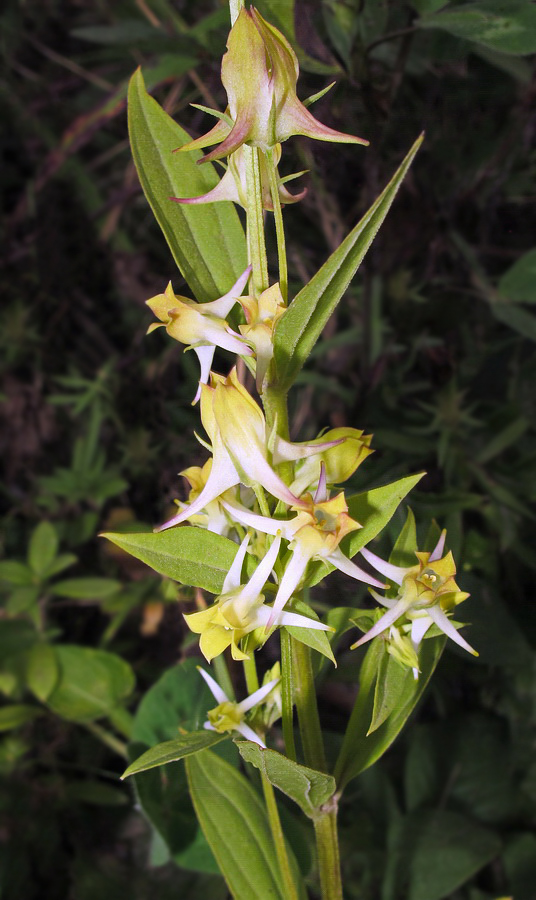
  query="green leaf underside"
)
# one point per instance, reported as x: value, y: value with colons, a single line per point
x: 302, y: 324
x: 307, y: 787
x: 235, y: 825
x: 17, y: 714
x: 172, y: 751
x: 187, y: 554
x: 373, y: 509
x: 207, y: 242
x: 360, y: 748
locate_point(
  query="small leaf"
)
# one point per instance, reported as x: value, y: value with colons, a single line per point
x: 190, y: 555
x: 22, y: 599
x: 307, y: 787
x: 91, y: 682
x: 86, y: 588
x: 390, y: 683
x: 505, y: 25
x: 235, y: 824
x: 360, y: 748
x: 302, y: 324
x: 518, y: 284
x: 15, y: 572
x: 42, y: 670
x: 403, y: 553
x: 171, y: 751
x: 207, y: 241
x: 43, y: 548
x: 17, y: 714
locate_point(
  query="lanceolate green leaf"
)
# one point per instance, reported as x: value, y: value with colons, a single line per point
x: 190, y: 555
x: 302, y: 324
x: 307, y: 787
x: 171, y: 751
x: 207, y: 241
x: 361, y: 749
x: 235, y: 825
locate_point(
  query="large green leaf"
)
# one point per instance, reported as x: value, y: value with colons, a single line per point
x: 207, y: 242
x: 307, y: 787
x: 235, y: 825
x: 360, y: 748
x: 190, y: 555
x: 508, y: 26
x: 373, y: 509
x: 302, y: 324
x: 90, y: 683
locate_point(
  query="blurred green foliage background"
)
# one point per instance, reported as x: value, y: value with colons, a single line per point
x: 432, y: 350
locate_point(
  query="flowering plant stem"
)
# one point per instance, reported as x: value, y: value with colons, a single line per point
x: 279, y: 228
x: 255, y: 221
x: 252, y: 683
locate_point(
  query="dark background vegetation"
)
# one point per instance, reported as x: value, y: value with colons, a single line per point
x: 432, y: 350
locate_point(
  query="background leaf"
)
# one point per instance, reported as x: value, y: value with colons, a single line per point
x: 505, y: 25
x: 90, y: 684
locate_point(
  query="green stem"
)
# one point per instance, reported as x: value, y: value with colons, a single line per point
x: 222, y: 676
x: 276, y: 411
x: 307, y: 709
x: 255, y: 220
x: 287, y: 695
x: 291, y: 892
x: 329, y: 865
x: 250, y: 672
x: 252, y: 682
x: 327, y: 842
x: 110, y: 740
x: 279, y: 229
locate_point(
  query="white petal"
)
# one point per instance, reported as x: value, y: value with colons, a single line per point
x: 341, y: 562
x: 257, y: 696
x: 223, y: 476
x: 389, y: 602
x: 233, y: 577
x: 260, y: 523
x: 283, y: 450
x: 419, y: 627
x: 205, y: 356
x: 223, y: 305
x: 442, y: 621
x: 289, y: 582
x: 208, y: 726
x: 261, y: 574
x: 393, y: 573
x: 385, y: 622
x: 437, y: 552
x: 249, y: 734
x: 216, y: 690
x: 322, y: 490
